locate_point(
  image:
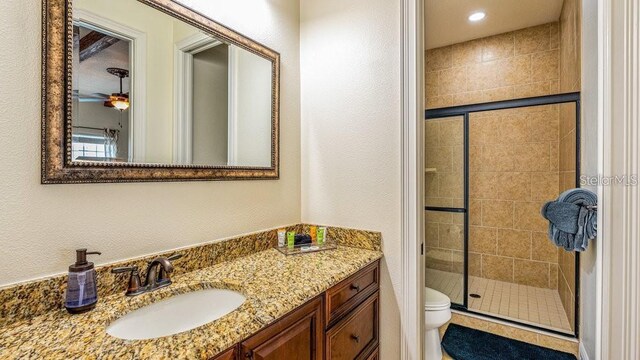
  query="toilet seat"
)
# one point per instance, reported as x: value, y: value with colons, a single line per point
x: 435, y: 300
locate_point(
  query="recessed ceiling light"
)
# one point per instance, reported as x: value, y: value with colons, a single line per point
x: 477, y: 16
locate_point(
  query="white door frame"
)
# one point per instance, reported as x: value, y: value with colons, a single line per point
x: 411, y: 309
x: 138, y: 77
x: 619, y: 207
x: 183, y: 94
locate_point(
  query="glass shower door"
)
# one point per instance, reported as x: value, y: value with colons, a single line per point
x: 445, y: 211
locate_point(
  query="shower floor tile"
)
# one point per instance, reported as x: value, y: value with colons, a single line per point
x: 526, y: 304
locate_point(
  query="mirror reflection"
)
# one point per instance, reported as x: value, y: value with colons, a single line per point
x: 149, y: 88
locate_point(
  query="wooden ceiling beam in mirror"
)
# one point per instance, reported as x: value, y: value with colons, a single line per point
x: 93, y: 43
x: 57, y: 166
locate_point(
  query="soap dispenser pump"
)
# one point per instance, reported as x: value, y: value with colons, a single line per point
x: 82, y: 294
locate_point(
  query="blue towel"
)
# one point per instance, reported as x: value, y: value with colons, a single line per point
x: 571, y: 222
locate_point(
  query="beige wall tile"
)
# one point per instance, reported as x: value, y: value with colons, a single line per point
x: 451, y: 132
x: 431, y: 237
x: 554, y: 30
x: 539, y: 88
x: 438, y: 259
x: 431, y: 84
x: 482, y: 240
x: 498, y: 94
x: 469, y: 97
x: 458, y: 263
x: 475, y: 212
x: 451, y: 185
x: 497, y: 268
x: 531, y: 157
x: 497, y: 213
x: 498, y: 47
x: 514, y: 243
x: 475, y: 158
x: 452, y: 80
x: 545, y: 66
x: 466, y: 53
x: 514, y: 129
x: 544, y: 185
x: 439, y: 158
x: 553, y: 276
x: 438, y: 217
x: 533, y: 39
x: 554, y: 161
x: 451, y: 236
x: 439, y: 58
x: 482, y: 76
x: 475, y: 264
x: 434, y: 102
x: 542, y: 248
x: 527, y: 216
x: 544, y: 125
x: 499, y: 157
x: 483, y: 185
x: 531, y: 273
x: 515, y: 70
x: 515, y: 186
x: 431, y: 134
x: 431, y: 185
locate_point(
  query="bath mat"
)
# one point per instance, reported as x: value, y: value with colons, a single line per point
x: 463, y: 343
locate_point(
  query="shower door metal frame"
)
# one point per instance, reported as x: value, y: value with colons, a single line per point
x: 464, y: 111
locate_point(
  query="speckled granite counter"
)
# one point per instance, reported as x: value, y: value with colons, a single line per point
x: 273, y: 284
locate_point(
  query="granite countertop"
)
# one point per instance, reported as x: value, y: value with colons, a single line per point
x: 273, y: 284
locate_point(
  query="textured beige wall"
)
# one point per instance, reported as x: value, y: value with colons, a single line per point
x: 570, y: 80
x: 351, y: 153
x: 513, y: 154
x: 40, y: 226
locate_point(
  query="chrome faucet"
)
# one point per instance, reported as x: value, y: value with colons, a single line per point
x: 157, y: 277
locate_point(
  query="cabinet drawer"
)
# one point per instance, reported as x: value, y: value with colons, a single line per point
x: 345, y: 296
x: 357, y: 335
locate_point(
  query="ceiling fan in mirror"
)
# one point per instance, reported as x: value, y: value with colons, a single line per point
x: 118, y: 100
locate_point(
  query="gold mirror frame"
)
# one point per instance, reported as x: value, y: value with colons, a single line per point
x: 57, y: 165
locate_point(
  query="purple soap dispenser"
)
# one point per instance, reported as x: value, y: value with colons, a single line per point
x: 82, y: 294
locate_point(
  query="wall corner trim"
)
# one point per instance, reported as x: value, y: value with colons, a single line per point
x: 411, y: 311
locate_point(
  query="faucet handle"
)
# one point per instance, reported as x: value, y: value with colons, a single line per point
x: 135, y: 284
x: 174, y: 257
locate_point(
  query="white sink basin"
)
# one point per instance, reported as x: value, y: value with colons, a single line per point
x: 176, y: 314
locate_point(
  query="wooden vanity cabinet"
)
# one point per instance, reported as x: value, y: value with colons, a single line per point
x: 230, y: 354
x: 340, y: 324
x: 299, y: 335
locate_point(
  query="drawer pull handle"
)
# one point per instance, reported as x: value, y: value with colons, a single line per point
x: 355, y: 287
x: 356, y: 338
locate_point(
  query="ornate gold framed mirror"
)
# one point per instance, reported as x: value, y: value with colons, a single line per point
x: 150, y: 90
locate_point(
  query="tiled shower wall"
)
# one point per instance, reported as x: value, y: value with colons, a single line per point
x: 570, y: 73
x: 514, y: 156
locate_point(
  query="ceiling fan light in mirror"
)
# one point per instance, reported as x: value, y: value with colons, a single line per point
x: 118, y: 101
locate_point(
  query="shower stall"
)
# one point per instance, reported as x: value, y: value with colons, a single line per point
x: 489, y: 168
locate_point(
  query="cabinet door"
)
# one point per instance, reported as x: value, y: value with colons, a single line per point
x: 227, y: 354
x: 298, y: 335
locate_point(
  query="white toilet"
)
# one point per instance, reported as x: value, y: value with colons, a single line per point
x: 437, y: 311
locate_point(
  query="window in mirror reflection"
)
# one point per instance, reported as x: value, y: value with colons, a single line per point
x: 150, y: 88
x: 100, y: 95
